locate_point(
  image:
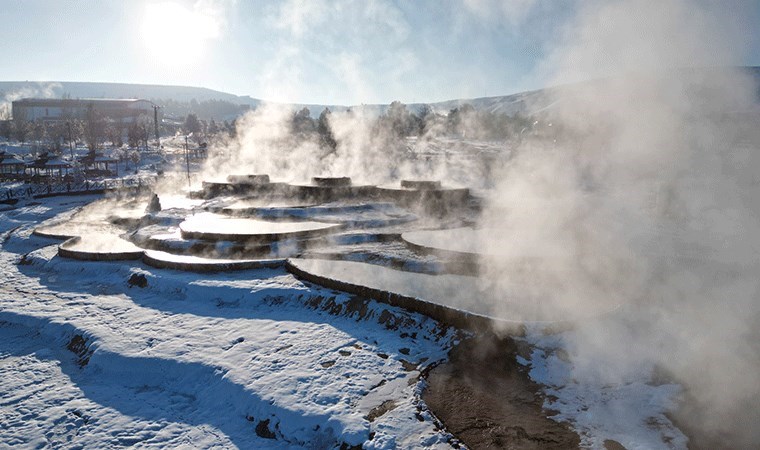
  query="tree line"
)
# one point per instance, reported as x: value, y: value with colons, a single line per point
x: 95, y: 130
x: 399, y: 122
x: 203, y: 110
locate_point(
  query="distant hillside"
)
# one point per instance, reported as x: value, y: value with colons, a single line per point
x: 527, y: 103
x: 118, y: 90
x: 176, y: 100
x: 171, y: 95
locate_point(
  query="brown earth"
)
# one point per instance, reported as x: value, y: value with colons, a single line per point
x: 486, y: 399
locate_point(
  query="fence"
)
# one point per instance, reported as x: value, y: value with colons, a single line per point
x: 73, y: 188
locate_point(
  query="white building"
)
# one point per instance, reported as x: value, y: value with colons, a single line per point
x: 61, y: 109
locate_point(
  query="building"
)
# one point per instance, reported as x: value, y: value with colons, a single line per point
x: 124, y: 111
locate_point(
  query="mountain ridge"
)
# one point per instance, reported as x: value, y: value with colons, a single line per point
x: 527, y: 102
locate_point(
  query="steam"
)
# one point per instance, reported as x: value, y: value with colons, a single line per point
x: 648, y: 200
x: 266, y: 144
x: 644, y: 196
x: 34, y: 90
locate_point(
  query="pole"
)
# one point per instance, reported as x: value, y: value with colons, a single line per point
x: 187, y: 161
x: 155, y: 125
x: 71, y: 142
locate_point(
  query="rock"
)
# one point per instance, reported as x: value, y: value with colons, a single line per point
x: 138, y: 279
x: 262, y: 430
x: 80, y: 347
x: 154, y: 205
x: 331, y: 181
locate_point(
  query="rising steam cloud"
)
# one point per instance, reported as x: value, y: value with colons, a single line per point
x: 646, y: 198
x: 265, y: 143
x: 649, y: 200
x: 38, y: 90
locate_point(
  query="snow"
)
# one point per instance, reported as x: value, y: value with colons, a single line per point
x: 462, y: 240
x: 632, y: 412
x: 101, y: 243
x: 215, y: 224
x: 193, y: 360
x: 476, y: 295
x: 204, y: 360
x: 190, y: 259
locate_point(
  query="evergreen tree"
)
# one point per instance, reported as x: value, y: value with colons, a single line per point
x: 326, y: 136
x: 192, y: 124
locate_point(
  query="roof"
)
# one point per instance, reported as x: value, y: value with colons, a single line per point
x: 78, y: 102
x: 10, y: 160
x: 57, y: 163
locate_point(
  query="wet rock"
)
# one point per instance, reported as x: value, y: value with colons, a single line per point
x: 345, y: 446
x: 486, y: 399
x: 381, y: 409
x: 408, y: 366
x: 610, y: 444
x: 138, y: 279
x: 421, y: 184
x: 262, y: 430
x: 331, y: 181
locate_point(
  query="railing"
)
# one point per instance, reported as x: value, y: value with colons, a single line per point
x: 73, y: 188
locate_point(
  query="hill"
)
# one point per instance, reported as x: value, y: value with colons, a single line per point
x: 177, y: 98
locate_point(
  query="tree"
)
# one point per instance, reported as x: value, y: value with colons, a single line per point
x: 400, y: 121
x: 6, y: 129
x: 74, y: 130
x: 302, y: 124
x: 144, y: 126
x: 326, y: 136
x: 213, y: 128
x: 21, y: 130
x: 192, y: 124
x: 57, y: 134
x: 113, y: 132
x: 133, y: 135
x: 94, y: 127
x: 460, y: 119
x: 134, y: 156
x: 39, y: 131
x: 426, y: 119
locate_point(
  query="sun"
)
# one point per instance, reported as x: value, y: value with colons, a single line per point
x: 176, y: 34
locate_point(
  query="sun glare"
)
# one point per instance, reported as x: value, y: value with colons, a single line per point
x: 176, y: 34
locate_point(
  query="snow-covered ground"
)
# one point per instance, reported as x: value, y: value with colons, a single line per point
x: 248, y: 359
x: 206, y: 361
x: 632, y: 411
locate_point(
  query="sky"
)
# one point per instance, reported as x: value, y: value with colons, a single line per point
x: 310, y: 51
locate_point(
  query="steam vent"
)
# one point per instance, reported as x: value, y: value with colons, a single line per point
x: 409, y: 243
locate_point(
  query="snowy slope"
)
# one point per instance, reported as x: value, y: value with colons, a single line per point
x: 201, y: 361
x: 249, y: 359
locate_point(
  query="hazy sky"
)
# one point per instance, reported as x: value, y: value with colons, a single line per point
x: 309, y: 51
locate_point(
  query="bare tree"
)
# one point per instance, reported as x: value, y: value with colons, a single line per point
x: 94, y: 128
